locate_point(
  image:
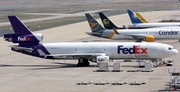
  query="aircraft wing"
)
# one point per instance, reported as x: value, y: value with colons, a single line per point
x: 20, y: 48
x: 93, y: 33
x: 140, y: 37
x: 137, y: 35
x: 132, y: 35
x: 74, y: 55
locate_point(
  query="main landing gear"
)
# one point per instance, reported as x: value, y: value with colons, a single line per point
x: 82, y: 62
x: 138, y: 40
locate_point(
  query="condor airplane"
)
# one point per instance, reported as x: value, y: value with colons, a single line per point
x: 29, y: 43
x: 148, y: 35
x: 139, y: 22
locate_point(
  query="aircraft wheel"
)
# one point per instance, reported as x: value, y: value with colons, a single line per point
x: 83, y: 62
x: 138, y: 40
x: 86, y: 62
x: 78, y: 64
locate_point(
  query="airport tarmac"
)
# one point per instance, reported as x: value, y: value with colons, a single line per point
x: 23, y: 73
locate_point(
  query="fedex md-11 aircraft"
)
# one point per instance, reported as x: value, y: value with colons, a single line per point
x: 29, y: 43
x: 149, y: 35
x: 139, y: 22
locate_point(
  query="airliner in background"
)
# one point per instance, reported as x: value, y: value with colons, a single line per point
x: 29, y: 43
x: 139, y: 22
x: 108, y: 24
x: 148, y: 35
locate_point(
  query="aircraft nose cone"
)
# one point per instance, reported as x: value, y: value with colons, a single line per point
x: 175, y: 52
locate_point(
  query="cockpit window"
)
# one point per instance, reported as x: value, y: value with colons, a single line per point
x: 170, y: 48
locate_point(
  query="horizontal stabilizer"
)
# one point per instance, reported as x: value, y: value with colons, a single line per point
x: 16, y: 47
x: 115, y: 30
x: 93, y: 33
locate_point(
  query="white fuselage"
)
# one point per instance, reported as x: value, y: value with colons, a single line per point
x: 115, y: 50
x: 150, y: 25
x: 158, y: 33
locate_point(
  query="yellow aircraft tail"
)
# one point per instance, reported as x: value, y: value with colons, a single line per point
x: 141, y: 17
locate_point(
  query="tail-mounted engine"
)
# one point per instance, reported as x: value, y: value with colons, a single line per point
x: 16, y: 38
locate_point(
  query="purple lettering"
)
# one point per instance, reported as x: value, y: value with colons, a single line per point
x: 119, y: 49
x: 135, y: 50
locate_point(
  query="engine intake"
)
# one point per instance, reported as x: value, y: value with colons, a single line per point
x: 150, y: 38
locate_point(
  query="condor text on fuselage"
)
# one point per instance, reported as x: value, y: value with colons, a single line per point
x: 168, y: 32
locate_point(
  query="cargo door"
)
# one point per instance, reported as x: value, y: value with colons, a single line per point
x: 162, y: 53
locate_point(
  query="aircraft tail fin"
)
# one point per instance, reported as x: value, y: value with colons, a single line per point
x: 18, y: 26
x: 22, y: 34
x: 94, y: 25
x: 141, y: 17
x: 108, y: 24
x: 133, y: 17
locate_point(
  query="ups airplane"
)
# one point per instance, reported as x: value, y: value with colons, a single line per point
x: 108, y: 24
x: 148, y: 35
x: 30, y: 44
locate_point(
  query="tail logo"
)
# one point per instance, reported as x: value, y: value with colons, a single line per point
x: 23, y: 39
x: 141, y: 18
x: 93, y: 24
x: 133, y: 16
x: 106, y: 22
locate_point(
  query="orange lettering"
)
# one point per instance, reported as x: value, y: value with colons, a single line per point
x: 137, y: 48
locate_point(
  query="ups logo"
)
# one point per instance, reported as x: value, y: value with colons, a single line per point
x: 106, y: 22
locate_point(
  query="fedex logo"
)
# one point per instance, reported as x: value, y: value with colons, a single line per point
x: 136, y: 49
x: 23, y: 38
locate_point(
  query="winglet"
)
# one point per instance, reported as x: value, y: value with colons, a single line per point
x: 108, y: 24
x: 133, y: 17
